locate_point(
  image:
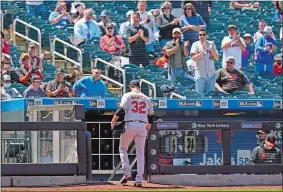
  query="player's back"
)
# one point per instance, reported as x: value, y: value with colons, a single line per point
x: 137, y: 106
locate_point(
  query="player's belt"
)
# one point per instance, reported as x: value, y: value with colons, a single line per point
x: 136, y: 121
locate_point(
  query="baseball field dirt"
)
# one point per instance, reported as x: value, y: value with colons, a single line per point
x: 115, y: 186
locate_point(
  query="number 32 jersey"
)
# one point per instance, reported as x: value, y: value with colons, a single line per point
x: 137, y: 106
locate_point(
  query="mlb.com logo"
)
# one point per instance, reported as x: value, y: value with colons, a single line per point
x: 256, y: 125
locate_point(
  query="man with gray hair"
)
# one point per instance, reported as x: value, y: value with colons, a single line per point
x: 123, y: 26
x: 86, y: 27
x: 230, y: 79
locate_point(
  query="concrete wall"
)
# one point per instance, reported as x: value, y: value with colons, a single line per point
x: 41, y: 181
x: 218, y: 180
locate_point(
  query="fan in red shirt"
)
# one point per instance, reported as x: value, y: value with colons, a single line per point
x: 111, y: 43
x: 277, y: 66
x: 5, y: 44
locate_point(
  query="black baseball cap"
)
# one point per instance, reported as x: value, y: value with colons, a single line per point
x: 35, y: 78
x: 135, y: 83
x: 59, y: 70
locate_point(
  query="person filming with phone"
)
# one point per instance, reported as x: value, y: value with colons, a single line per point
x: 59, y: 87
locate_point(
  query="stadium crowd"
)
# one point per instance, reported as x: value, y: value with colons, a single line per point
x: 186, y: 50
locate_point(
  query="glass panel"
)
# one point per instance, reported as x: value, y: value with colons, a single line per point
x: 190, y: 148
x: 244, y: 142
x: 39, y: 147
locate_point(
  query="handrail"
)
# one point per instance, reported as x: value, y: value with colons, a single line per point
x: 111, y: 80
x: 151, y: 84
x: 177, y: 95
x: 115, y: 67
x: 2, y: 20
x: 65, y: 57
x: 25, y: 36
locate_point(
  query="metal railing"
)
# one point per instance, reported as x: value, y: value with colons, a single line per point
x: 111, y: 80
x: 115, y: 67
x: 54, y: 52
x: 151, y: 84
x: 2, y: 19
x: 39, y: 44
x: 176, y: 95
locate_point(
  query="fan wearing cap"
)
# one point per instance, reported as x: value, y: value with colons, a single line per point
x: 259, y: 33
x: 233, y: 45
x: 177, y: 50
x: 86, y: 27
x: 35, y: 60
x: 60, y: 16
x: 137, y: 110
x: 261, y: 135
x: 91, y: 86
x: 277, y: 66
x: 229, y: 79
x: 123, y: 26
x: 59, y: 87
x: 112, y: 43
x: 26, y: 70
x: 268, y: 153
x: 7, y: 92
x: 34, y: 90
x: 246, y: 54
x: 105, y: 18
x: 265, y: 51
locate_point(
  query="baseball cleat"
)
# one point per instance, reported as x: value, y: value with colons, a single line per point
x: 126, y: 179
x: 138, y: 184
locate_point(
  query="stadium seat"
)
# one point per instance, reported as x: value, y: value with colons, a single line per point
x: 20, y: 87
x: 191, y: 94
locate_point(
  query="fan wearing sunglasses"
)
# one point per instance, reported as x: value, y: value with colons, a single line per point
x: 230, y: 79
x: 277, y: 67
x: 191, y: 23
x: 111, y: 43
x: 204, y: 53
x: 166, y: 22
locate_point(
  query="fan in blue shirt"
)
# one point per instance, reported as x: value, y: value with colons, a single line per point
x: 90, y: 86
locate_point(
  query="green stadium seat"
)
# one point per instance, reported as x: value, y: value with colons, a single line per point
x: 191, y: 94
x: 20, y: 87
x: 127, y: 66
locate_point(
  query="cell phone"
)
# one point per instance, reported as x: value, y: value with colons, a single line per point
x: 63, y: 83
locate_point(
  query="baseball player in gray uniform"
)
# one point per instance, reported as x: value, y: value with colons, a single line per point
x: 137, y: 110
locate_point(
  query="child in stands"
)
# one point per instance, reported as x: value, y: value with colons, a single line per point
x: 163, y: 61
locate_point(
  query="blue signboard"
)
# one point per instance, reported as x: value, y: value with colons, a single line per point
x: 159, y: 104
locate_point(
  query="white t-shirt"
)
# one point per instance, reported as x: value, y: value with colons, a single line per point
x: 34, y: 2
x: 234, y: 50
